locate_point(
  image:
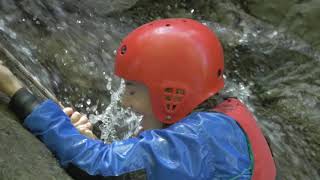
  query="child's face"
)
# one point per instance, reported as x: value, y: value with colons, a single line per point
x: 137, y: 97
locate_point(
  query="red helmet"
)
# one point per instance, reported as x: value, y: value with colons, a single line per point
x: 179, y: 60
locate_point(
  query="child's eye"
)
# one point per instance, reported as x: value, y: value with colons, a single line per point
x: 132, y: 92
x: 128, y: 83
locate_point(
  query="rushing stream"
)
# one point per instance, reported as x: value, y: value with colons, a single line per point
x: 271, y: 65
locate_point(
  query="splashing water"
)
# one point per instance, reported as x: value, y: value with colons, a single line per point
x: 233, y: 88
x: 117, y: 122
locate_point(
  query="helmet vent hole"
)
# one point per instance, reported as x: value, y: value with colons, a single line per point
x: 219, y: 73
x: 180, y: 91
x: 168, y: 98
x: 171, y: 108
x: 123, y: 49
x: 168, y: 25
x: 168, y: 90
x: 174, y: 107
x: 184, y: 20
x: 168, y: 107
x: 177, y: 99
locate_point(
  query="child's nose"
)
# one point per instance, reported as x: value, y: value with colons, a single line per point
x: 124, y: 101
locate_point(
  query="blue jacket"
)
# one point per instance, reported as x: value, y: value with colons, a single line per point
x: 204, y: 145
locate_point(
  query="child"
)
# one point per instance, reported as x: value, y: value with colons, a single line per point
x: 170, y: 67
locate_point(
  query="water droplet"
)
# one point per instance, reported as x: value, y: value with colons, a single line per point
x: 94, y: 108
x: 89, y: 101
x: 79, y: 21
x: 88, y: 109
x: 204, y: 23
x: 109, y: 86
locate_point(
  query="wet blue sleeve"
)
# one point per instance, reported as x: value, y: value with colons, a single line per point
x: 54, y: 128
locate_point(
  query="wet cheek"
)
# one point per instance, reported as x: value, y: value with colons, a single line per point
x: 136, y: 106
x: 125, y: 101
x: 131, y: 102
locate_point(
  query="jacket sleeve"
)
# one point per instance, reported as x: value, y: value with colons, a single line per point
x: 54, y: 128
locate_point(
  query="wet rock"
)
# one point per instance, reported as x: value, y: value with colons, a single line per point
x: 22, y: 156
x: 299, y: 17
x: 99, y: 7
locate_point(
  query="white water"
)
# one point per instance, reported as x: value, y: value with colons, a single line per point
x: 117, y: 122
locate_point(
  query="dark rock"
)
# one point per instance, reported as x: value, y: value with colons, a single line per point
x: 23, y: 156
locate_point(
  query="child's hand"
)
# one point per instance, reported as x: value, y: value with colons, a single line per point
x: 81, y: 122
x: 9, y: 84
